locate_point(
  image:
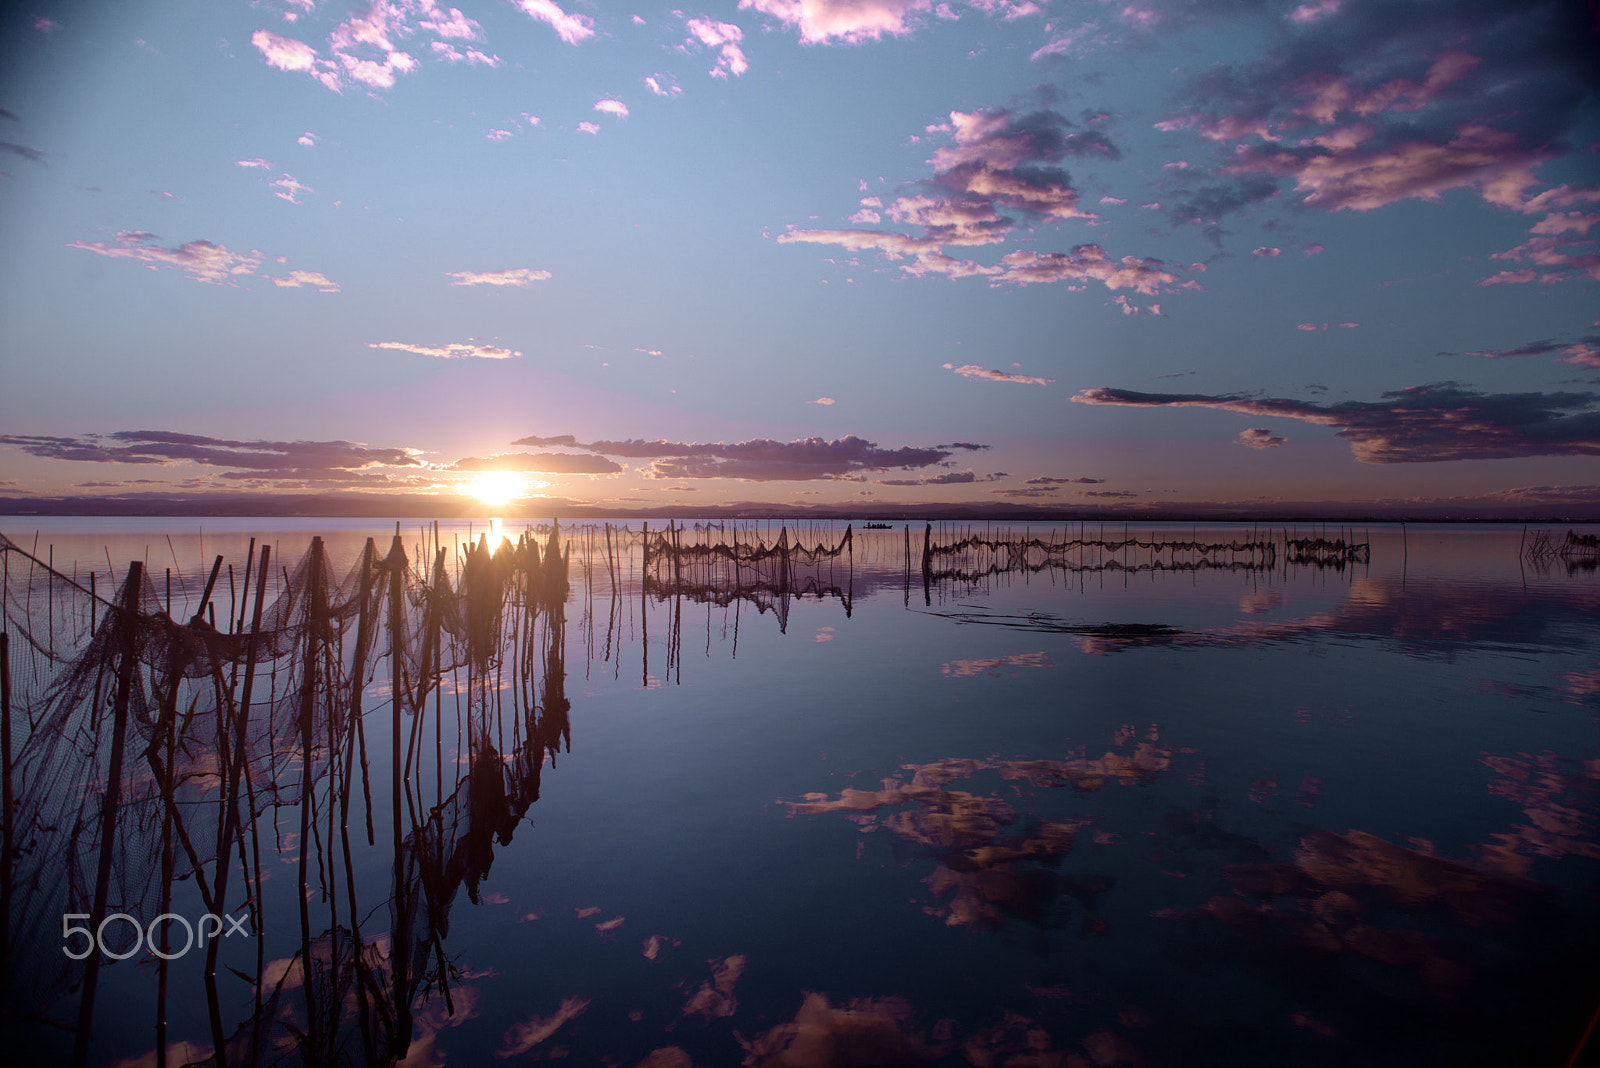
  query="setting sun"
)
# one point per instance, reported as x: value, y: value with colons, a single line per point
x: 496, y: 488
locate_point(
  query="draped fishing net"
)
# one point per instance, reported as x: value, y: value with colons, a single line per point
x: 144, y: 751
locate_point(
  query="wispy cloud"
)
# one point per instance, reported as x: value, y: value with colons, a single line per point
x: 513, y: 276
x: 204, y: 261
x: 972, y: 370
x: 296, y: 279
x: 1046, y: 480
x: 456, y: 350
x: 588, y: 128
x: 1428, y: 423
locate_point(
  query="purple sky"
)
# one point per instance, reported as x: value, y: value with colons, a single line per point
x: 1155, y: 256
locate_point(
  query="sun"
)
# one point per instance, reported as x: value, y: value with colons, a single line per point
x: 496, y: 488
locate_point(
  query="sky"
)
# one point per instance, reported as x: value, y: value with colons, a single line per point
x: 854, y: 256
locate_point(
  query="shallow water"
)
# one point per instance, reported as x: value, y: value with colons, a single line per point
x: 1095, y: 813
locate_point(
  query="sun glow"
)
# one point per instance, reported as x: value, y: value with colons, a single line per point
x: 496, y: 487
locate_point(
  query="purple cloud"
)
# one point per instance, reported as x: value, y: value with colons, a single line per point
x: 1419, y: 424
x: 165, y: 447
x: 762, y: 459
x: 455, y: 350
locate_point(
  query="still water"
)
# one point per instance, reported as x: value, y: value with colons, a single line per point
x: 1130, y: 805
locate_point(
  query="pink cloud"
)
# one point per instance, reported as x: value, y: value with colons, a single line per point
x: 1477, y: 156
x: 253, y: 163
x: 972, y: 370
x: 1510, y: 278
x: 588, y: 127
x: 1329, y: 96
x: 1315, y: 11
x: 662, y: 85
x: 514, y: 276
x: 1113, y: 200
x: 1257, y: 438
x: 286, y: 53
x: 307, y: 139
x: 289, y: 189
x: 1315, y: 250
x: 455, y: 350
x: 726, y: 36
x: 612, y: 107
x: 849, y: 21
x: 570, y: 28
x: 498, y: 135
x: 1583, y: 355
x: 825, y: 401
x: 1266, y: 251
x: 1311, y: 326
x: 450, y: 54
x: 297, y: 279
x: 1087, y: 262
x: 45, y: 26
x: 204, y: 261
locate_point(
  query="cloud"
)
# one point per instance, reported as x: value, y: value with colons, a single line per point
x: 762, y: 459
x: 588, y: 127
x: 997, y: 161
x: 1257, y: 438
x: 1266, y: 251
x: 513, y: 276
x: 972, y: 370
x: 612, y: 107
x: 849, y: 21
x: 289, y: 189
x: 204, y: 261
x: 663, y: 85
x: 1365, y: 104
x: 948, y: 478
x: 286, y: 53
x: 257, y: 162
x: 164, y: 447
x: 1419, y: 424
x: 570, y: 28
x: 455, y: 350
x: 561, y: 463
x: 724, y: 36
x: 1046, y: 480
x: 296, y: 279
x: 1086, y: 262
x: 22, y: 150
x: 822, y: 400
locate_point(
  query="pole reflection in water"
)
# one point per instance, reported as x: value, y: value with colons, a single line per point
x: 1323, y: 806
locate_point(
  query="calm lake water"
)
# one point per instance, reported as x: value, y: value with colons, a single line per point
x: 1142, y: 806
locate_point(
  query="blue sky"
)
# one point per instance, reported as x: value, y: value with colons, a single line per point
x: 1079, y: 255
